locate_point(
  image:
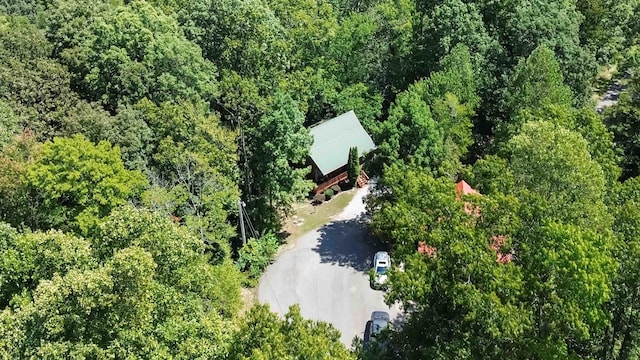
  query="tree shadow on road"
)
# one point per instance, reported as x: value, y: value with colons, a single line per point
x: 347, y: 243
x: 400, y: 319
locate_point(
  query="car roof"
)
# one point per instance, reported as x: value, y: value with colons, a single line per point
x: 381, y: 255
x: 380, y: 315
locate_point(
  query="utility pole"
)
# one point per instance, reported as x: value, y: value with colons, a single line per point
x: 244, y: 237
x: 244, y: 159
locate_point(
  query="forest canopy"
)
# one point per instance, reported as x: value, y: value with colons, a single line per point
x: 131, y: 130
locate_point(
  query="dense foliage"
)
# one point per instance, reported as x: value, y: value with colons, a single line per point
x: 256, y: 255
x: 130, y: 130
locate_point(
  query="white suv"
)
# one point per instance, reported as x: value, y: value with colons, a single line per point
x: 381, y: 264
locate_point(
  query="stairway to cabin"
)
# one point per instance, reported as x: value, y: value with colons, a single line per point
x: 363, y: 179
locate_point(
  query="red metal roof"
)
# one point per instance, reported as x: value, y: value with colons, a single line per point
x: 427, y: 250
x: 465, y: 189
x: 497, y: 241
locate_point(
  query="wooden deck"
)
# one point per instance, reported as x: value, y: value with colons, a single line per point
x: 329, y: 183
x: 363, y: 179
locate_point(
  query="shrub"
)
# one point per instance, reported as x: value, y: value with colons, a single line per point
x: 319, y: 198
x: 256, y: 255
x: 329, y: 194
x: 336, y: 189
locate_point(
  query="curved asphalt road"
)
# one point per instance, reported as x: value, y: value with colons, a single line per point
x: 326, y: 274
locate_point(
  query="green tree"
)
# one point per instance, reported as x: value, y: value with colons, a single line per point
x: 27, y: 259
x: 383, y: 38
x: 452, y: 94
x: 130, y: 132
x: 180, y: 256
x: 623, y: 120
x: 622, y: 340
x: 601, y: 28
x: 242, y: 36
x: 363, y: 101
x: 26, y: 8
x: 554, y: 164
x: 263, y: 335
x: 528, y: 24
x: 122, y: 54
x: 37, y: 88
x: 192, y: 161
x: 489, y: 276
x: 315, y: 90
x: 18, y: 206
x: 456, y: 75
x: 139, y: 287
x: 353, y: 166
x: 454, y: 120
x: 587, y: 123
x: 357, y: 57
x: 447, y: 24
x: 9, y: 124
x: 311, y: 27
x: 491, y: 175
x: 465, y: 300
x: 256, y: 255
x: 241, y: 99
x: 80, y: 182
x: 410, y: 134
x: 429, y: 125
x: 563, y: 264
x: 536, y: 83
x: 111, y: 311
x: 277, y: 142
x: 22, y: 40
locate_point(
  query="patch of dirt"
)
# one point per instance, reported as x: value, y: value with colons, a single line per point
x: 307, y: 216
x: 249, y: 298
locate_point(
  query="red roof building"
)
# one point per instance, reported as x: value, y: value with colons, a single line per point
x: 496, y: 243
x: 462, y: 188
x: 426, y: 250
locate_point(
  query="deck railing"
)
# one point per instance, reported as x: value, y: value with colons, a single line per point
x: 329, y: 183
x: 363, y: 179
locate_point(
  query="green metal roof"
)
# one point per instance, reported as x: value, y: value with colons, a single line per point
x: 333, y: 138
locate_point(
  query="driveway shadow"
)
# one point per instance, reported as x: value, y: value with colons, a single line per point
x: 346, y: 243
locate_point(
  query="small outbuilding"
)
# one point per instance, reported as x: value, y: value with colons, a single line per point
x: 462, y: 188
x: 332, y: 140
x: 497, y: 241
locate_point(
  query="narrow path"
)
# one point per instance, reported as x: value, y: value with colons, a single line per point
x: 610, y: 97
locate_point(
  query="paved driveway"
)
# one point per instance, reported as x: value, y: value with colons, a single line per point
x: 326, y: 273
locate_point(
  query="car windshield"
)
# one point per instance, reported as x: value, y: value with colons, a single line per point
x: 378, y: 326
x: 381, y: 270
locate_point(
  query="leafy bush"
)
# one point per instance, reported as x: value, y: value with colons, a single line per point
x: 336, y: 189
x: 319, y: 198
x: 256, y: 255
x: 329, y: 193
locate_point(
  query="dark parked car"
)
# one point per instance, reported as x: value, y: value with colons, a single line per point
x: 379, y: 321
